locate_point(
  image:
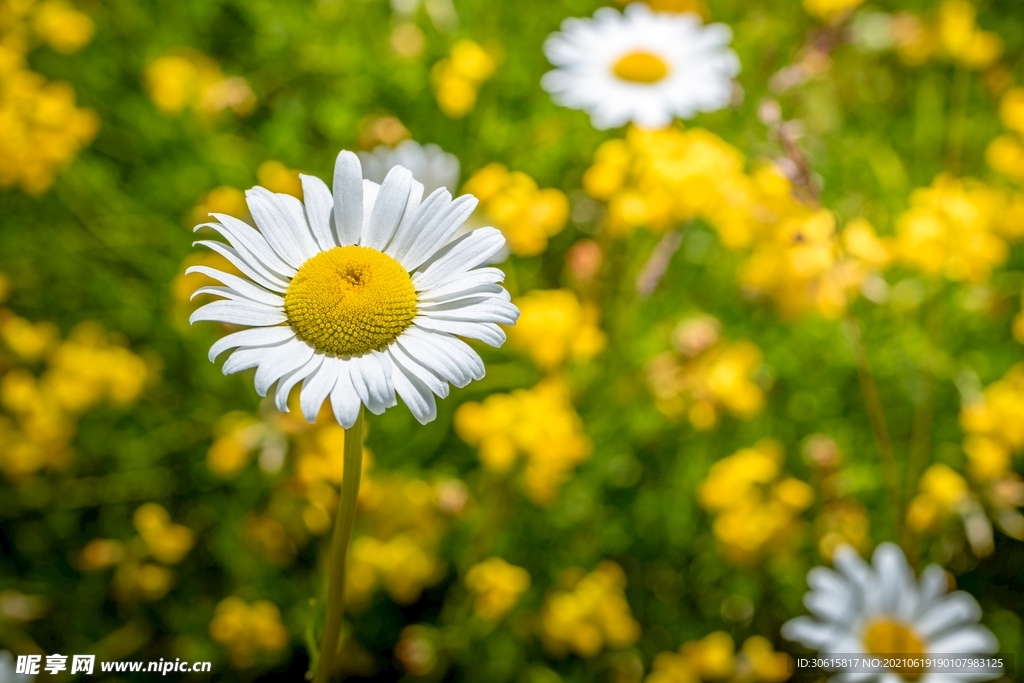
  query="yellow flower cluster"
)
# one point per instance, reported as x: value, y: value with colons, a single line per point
x: 829, y: 10
x: 658, y: 179
x: 458, y: 77
x: 141, y: 562
x: 590, y: 614
x: 41, y: 129
x: 399, y: 550
x: 186, y: 79
x: 942, y: 492
x: 995, y: 433
x: 539, y: 425
x: 805, y: 263
x: 714, y: 658
x: 705, y: 376
x: 38, y: 416
x: 1005, y: 154
x: 959, y: 228
x: 248, y: 629
x: 525, y: 214
x: 953, y: 35
x: 496, y: 586
x: 554, y: 327
x: 757, y: 508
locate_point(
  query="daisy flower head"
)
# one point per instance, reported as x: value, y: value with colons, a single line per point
x: 882, y: 609
x: 361, y: 295
x: 641, y: 66
x: 429, y: 164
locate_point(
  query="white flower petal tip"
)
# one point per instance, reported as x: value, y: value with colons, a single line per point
x: 434, y: 289
x: 640, y: 66
x: 882, y: 608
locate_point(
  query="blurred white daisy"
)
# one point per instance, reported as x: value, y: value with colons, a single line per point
x: 430, y: 165
x: 360, y: 296
x: 882, y: 610
x: 8, y: 671
x: 641, y: 66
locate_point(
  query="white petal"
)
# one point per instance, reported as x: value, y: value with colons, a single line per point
x: 826, y: 606
x: 371, y: 378
x: 388, y: 209
x: 286, y: 383
x: 950, y: 610
x: 279, y: 362
x: 246, y: 358
x: 448, y: 357
x: 933, y: 583
x: 477, y: 309
x: 283, y: 223
x: 435, y: 234
x: 488, y: 333
x: 257, y: 336
x: 271, y: 300
x: 243, y: 287
x: 407, y: 235
x: 249, y: 243
x: 257, y: 272
x: 406, y: 362
x: 896, y: 579
x: 463, y: 282
x: 464, y: 254
x: 344, y: 399
x: 348, y: 198
x: 238, y: 313
x: 416, y: 395
x: 807, y: 632
x: 973, y: 640
x: 316, y: 388
x: 319, y: 206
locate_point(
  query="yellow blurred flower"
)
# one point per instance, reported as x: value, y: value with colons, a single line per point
x: 943, y: 492
x: 277, y: 177
x: 527, y: 215
x: 246, y: 630
x: 830, y: 9
x: 458, y: 77
x: 953, y: 35
x: 223, y: 199
x: 539, y: 425
x: 706, y: 376
x: 39, y: 413
x: 714, y: 658
x: 167, y: 542
x: 554, y: 327
x: 591, y: 614
x: 42, y: 130
x: 184, y: 79
x: 957, y: 229
x: 62, y: 26
x: 757, y: 508
x: 496, y: 586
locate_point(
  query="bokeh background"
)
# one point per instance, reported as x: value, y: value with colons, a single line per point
x: 745, y: 340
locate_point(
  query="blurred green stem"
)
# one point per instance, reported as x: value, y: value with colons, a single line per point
x: 958, y: 97
x: 876, y: 418
x: 339, y: 548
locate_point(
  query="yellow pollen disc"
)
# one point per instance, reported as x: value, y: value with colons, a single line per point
x: 350, y: 300
x: 884, y: 636
x: 640, y: 67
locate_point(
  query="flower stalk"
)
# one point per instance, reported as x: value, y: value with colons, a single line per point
x: 339, y: 548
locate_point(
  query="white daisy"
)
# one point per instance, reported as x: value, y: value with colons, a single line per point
x: 883, y: 610
x: 360, y: 296
x: 640, y: 66
x: 430, y: 165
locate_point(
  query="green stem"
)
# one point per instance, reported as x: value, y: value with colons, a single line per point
x: 959, y: 97
x: 339, y: 548
x: 876, y: 419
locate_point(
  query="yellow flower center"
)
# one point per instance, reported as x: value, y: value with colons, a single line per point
x: 640, y: 67
x: 350, y: 300
x: 890, y: 637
